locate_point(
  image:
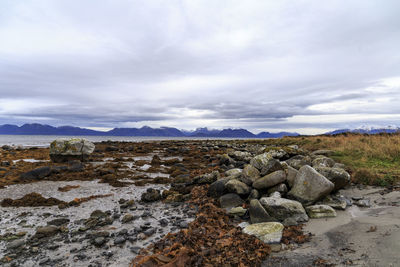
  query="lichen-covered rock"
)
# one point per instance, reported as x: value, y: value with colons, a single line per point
x: 298, y: 161
x: 322, y: 161
x: 270, y: 180
x: 237, y: 211
x: 261, y: 160
x: 310, y: 186
x: 268, y: 232
x: 249, y: 174
x: 208, y: 178
x: 339, y: 177
x: 233, y: 173
x: 238, y: 187
x: 151, y: 195
x: 281, y: 188
x: 258, y: 214
x: 320, y: 211
x: 62, y: 150
x: 282, y: 208
x: 273, y: 165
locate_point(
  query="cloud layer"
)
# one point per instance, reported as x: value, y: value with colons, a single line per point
x: 264, y: 65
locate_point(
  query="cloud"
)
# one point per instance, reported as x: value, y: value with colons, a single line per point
x: 263, y: 65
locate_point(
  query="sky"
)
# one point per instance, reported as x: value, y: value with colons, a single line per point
x: 305, y: 66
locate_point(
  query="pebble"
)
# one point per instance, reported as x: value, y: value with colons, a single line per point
x: 119, y: 240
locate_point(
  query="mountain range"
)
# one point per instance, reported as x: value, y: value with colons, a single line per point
x: 43, y: 129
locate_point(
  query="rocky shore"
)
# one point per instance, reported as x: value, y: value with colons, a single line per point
x: 189, y: 203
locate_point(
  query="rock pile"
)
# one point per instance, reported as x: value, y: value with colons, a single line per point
x: 278, y: 187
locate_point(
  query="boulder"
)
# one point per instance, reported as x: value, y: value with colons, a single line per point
x: 339, y: 177
x: 207, y: 178
x: 233, y: 173
x: 291, y: 175
x: 254, y: 194
x: 218, y: 188
x: 46, y: 231
x: 268, y: 232
x: 241, y: 156
x: 258, y: 214
x: 281, y: 188
x: 270, y: 180
x: 261, y: 160
x: 310, y: 186
x: 249, y: 174
x: 151, y: 195
x: 230, y: 200
x: 237, y: 211
x: 320, y: 211
x: 224, y: 159
x: 36, y: 174
x: 273, y: 165
x: 298, y: 161
x: 282, y: 208
x: 63, y: 150
x: 322, y: 161
x: 238, y: 187
x: 338, y: 203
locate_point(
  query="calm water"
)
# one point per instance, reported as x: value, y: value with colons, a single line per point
x: 45, y: 140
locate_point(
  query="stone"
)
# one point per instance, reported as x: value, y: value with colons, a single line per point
x: 36, y: 174
x: 254, y: 194
x: 281, y: 188
x: 258, y: 214
x: 273, y: 165
x: 218, y: 188
x: 119, y: 240
x: 270, y: 180
x: 127, y: 218
x: 16, y: 244
x: 291, y: 174
x: 335, y: 202
x: 233, y: 173
x: 249, y: 174
x: 99, y: 241
x: 224, y: 159
x: 268, y: 232
x: 151, y: 195
x: 46, y: 231
x: 282, y: 208
x: 176, y: 197
x: 310, y: 186
x: 207, y: 178
x: 322, y: 161
x: 364, y: 203
x: 277, y: 153
x: 230, y: 200
x: 339, y: 177
x: 320, y: 211
x: 59, y: 221
x: 238, y: 211
x: 236, y: 186
x: 63, y: 150
x: 260, y: 161
x: 298, y: 161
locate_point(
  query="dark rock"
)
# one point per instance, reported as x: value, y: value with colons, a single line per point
x: 230, y: 200
x: 218, y: 188
x: 270, y: 180
x: 59, y: 222
x: 273, y: 165
x: 119, y: 240
x: 258, y: 214
x: 237, y: 187
x: 46, y: 231
x: 37, y: 173
x: 151, y: 195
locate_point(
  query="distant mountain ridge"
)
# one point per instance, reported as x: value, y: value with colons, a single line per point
x: 365, y: 130
x: 43, y: 129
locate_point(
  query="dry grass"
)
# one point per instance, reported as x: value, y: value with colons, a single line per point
x: 372, y: 159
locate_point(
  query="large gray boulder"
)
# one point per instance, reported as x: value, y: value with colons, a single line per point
x: 236, y: 186
x: 218, y: 188
x: 339, y: 177
x: 310, y: 186
x: 299, y: 161
x: 270, y: 180
x: 291, y: 175
x: 63, y: 150
x: 282, y: 208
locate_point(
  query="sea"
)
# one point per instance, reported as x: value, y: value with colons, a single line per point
x: 45, y: 140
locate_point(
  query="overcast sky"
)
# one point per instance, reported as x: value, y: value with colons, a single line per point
x: 306, y: 66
